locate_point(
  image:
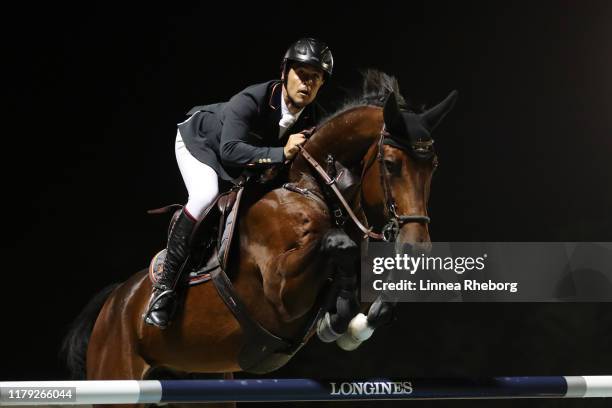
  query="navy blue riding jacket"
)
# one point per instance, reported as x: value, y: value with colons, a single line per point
x: 242, y: 132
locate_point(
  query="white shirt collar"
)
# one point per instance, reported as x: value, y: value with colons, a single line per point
x: 286, y: 117
x: 285, y: 109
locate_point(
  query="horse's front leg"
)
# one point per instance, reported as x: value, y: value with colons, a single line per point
x: 361, y: 327
x: 343, y: 304
x: 381, y: 313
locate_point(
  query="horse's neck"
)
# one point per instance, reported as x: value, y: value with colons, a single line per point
x: 347, y: 137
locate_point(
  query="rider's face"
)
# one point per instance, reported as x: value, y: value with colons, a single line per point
x: 303, y: 83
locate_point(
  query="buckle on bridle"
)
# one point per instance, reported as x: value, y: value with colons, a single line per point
x: 391, y: 230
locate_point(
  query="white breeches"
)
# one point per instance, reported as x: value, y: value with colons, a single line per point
x: 201, y: 180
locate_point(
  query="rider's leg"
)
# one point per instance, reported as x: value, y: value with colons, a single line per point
x: 201, y: 180
x: 203, y: 187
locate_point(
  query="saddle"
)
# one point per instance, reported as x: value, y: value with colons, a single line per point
x: 210, y: 241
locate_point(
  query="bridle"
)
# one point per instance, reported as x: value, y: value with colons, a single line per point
x: 394, y: 221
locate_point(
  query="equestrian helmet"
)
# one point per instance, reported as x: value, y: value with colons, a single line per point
x: 312, y: 52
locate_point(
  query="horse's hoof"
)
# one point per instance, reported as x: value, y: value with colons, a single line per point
x: 324, y: 330
x: 381, y: 313
x: 347, y: 342
x: 359, y: 328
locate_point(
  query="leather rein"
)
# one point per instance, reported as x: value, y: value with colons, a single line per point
x: 395, y: 221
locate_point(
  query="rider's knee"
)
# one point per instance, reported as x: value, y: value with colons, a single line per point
x: 198, y: 202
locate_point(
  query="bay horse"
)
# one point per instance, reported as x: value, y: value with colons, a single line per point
x: 289, y: 246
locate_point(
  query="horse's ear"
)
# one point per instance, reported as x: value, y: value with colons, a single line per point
x: 432, y: 117
x: 391, y: 111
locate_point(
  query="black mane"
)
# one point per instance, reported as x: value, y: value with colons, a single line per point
x: 375, y: 88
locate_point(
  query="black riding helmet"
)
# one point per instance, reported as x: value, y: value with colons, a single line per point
x: 312, y: 52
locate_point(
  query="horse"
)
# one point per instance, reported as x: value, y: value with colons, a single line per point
x: 289, y: 246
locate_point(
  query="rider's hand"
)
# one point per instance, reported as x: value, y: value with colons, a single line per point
x: 291, y: 148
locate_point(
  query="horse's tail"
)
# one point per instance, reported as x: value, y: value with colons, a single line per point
x: 74, y: 346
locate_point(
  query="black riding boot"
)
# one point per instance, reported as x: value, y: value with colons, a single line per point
x: 163, y: 300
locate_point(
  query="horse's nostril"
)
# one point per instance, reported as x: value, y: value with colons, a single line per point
x: 407, y: 248
x: 415, y: 248
x: 423, y: 248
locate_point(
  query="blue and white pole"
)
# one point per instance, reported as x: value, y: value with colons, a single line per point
x: 260, y: 390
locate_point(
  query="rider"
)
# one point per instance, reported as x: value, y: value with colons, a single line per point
x: 258, y: 127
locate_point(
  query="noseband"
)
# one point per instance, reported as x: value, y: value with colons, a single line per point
x: 394, y: 221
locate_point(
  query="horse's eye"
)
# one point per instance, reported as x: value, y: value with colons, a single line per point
x: 392, y: 166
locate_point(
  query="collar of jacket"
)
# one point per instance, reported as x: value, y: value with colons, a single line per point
x: 276, y: 95
x: 275, y: 102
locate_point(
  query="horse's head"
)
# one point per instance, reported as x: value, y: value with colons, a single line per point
x: 397, y: 174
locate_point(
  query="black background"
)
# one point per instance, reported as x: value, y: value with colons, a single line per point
x: 94, y: 93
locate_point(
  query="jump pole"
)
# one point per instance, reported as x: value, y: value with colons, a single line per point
x: 262, y: 390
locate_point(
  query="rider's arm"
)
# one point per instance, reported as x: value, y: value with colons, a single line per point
x: 235, y: 148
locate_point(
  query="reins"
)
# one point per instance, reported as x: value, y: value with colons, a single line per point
x: 394, y: 220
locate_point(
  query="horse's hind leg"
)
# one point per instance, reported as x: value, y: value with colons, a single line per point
x: 139, y: 369
x: 118, y: 362
x: 112, y: 353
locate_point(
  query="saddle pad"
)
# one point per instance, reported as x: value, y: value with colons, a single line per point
x: 195, y: 276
